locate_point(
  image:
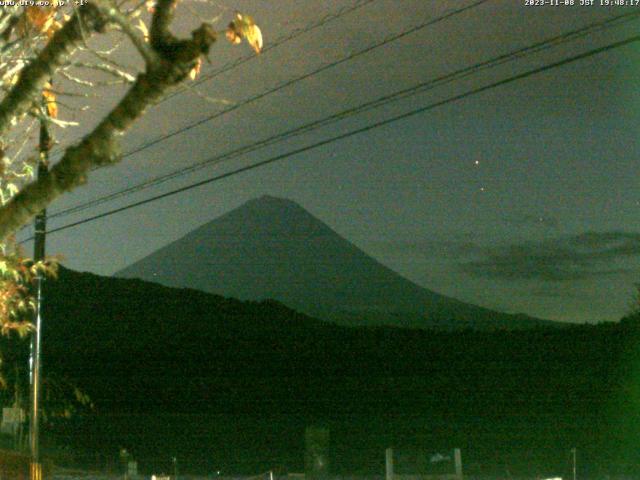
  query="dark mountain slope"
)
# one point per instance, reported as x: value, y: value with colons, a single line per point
x: 171, y: 368
x: 273, y: 248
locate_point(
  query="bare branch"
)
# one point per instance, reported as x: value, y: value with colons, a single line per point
x: 207, y: 98
x: 163, y: 13
x: 135, y: 10
x: 62, y: 93
x: 100, y: 147
x: 111, y: 70
x: 104, y: 54
x: 8, y: 26
x: 80, y: 24
x: 62, y: 123
x: 26, y: 137
x: 76, y: 80
x: 34, y: 76
x: 138, y: 41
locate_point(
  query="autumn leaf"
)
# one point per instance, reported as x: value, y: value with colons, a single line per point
x: 21, y: 328
x: 50, y: 100
x: 232, y: 36
x: 55, y: 26
x: 40, y: 19
x: 195, y: 71
x: 244, y: 27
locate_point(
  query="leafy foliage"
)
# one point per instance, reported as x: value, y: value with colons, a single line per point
x: 17, y: 276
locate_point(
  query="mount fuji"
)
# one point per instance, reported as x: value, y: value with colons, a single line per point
x: 272, y: 248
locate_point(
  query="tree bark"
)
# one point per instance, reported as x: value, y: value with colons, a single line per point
x: 175, y: 59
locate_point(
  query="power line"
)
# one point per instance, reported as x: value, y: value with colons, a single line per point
x: 358, y: 131
x: 295, y: 33
x: 290, y: 82
x: 419, y: 88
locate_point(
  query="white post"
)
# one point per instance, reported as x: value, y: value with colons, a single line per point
x: 458, y: 462
x: 389, y: 463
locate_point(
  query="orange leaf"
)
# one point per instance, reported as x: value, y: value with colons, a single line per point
x: 195, y: 71
x: 40, y: 18
x: 244, y: 27
x: 232, y: 36
x: 50, y: 99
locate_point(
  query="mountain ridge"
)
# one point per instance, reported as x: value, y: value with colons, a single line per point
x: 143, y: 351
x: 271, y: 247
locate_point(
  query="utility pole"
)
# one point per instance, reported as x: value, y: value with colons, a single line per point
x: 34, y: 360
x: 573, y: 451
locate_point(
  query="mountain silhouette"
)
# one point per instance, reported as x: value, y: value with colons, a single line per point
x: 272, y: 248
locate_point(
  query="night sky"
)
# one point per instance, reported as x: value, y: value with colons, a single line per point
x: 523, y: 198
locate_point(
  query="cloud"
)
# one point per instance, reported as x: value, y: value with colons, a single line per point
x: 575, y: 257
